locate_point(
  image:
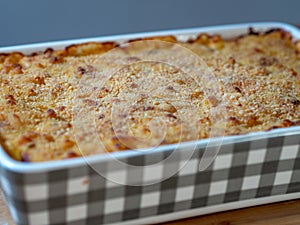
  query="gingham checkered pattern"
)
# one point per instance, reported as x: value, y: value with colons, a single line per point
x: 241, y: 171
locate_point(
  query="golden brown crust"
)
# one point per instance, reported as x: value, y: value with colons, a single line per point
x: 259, y: 71
x: 168, y: 38
x: 89, y: 48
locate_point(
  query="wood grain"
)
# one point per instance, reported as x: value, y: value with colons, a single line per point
x: 5, y: 217
x: 285, y: 213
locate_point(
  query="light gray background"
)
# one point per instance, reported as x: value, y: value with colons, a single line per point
x: 27, y: 21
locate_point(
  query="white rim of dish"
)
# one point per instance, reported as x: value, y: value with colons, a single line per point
x: 6, y: 162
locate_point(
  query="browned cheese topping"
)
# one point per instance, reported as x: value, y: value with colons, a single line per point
x: 260, y: 84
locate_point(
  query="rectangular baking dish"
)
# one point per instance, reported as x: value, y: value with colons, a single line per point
x: 251, y: 169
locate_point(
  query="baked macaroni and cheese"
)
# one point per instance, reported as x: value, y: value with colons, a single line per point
x: 258, y: 75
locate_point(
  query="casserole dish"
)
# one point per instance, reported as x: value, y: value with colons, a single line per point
x: 154, y: 186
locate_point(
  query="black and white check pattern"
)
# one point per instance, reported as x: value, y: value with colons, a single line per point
x: 241, y: 171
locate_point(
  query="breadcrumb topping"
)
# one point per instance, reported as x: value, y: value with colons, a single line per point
x: 259, y: 73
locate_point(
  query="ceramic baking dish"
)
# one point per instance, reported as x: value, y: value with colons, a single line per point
x: 141, y: 187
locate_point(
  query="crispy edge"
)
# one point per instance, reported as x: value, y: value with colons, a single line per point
x: 88, y: 48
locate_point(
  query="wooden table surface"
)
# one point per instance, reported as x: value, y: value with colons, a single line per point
x: 284, y: 213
